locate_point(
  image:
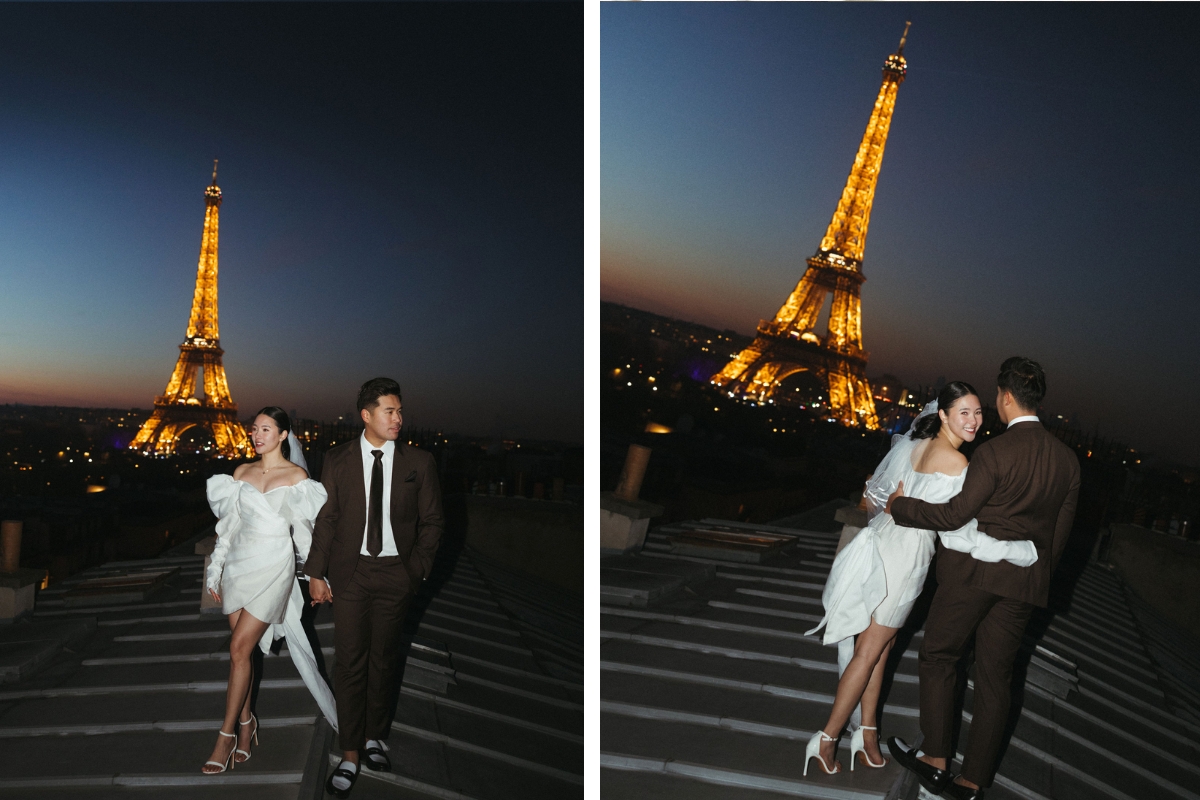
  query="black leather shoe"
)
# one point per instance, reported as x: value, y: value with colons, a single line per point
x: 933, y: 779
x: 375, y: 758
x: 956, y: 791
x: 344, y: 773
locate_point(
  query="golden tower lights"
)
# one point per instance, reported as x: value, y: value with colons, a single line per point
x: 178, y: 408
x: 789, y: 343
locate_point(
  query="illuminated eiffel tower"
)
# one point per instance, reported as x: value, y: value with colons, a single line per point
x: 788, y: 344
x: 178, y: 408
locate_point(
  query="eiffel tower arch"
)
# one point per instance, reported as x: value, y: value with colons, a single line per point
x: 791, y: 342
x: 181, y: 407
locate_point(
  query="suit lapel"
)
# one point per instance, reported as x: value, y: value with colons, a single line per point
x: 356, y: 498
x: 399, y: 472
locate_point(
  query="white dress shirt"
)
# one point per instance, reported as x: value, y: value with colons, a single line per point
x: 1010, y: 423
x: 368, y: 461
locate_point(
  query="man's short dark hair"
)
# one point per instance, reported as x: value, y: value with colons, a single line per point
x: 1024, y: 379
x: 372, y: 390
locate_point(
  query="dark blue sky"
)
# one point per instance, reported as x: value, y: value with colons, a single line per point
x: 403, y: 196
x: 1037, y: 196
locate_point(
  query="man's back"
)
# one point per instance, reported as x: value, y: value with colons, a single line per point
x: 1034, y: 486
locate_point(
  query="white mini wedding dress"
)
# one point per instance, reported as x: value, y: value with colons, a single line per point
x: 261, y: 539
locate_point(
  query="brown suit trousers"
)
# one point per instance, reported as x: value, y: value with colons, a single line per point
x: 368, y: 614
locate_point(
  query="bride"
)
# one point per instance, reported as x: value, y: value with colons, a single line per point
x: 875, y: 580
x: 265, y: 520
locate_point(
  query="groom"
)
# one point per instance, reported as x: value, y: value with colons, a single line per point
x: 375, y: 539
x: 1022, y: 484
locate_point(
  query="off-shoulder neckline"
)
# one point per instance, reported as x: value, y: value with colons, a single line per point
x: 268, y: 491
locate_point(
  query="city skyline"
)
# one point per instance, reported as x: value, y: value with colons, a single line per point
x: 415, y: 163
x: 1032, y: 198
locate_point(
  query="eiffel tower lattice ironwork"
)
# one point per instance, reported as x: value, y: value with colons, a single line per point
x: 178, y: 408
x: 788, y: 343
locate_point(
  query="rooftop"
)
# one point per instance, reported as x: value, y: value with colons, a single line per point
x: 121, y: 695
x: 709, y: 687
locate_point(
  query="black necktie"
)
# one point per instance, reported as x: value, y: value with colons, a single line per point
x: 375, y: 506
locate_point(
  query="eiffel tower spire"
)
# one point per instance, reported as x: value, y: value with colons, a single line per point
x: 789, y: 343
x: 179, y: 408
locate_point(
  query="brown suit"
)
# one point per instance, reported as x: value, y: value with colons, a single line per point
x: 1024, y: 484
x: 371, y: 594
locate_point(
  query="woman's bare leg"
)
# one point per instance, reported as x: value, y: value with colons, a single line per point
x: 870, y: 702
x: 868, y: 648
x: 246, y: 632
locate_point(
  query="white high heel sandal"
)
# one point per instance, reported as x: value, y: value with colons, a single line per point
x: 253, y: 738
x: 228, y: 761
x: 857, y: 747
x: 814, y: 751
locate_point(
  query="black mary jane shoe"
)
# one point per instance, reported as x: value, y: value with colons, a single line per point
x: 956, y: 791
x: 370, y: 756
x: 344, y: 773
x: 933, y: 779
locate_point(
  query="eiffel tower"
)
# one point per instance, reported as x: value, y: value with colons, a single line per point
x: 178, y: 408
x: 788, y: 344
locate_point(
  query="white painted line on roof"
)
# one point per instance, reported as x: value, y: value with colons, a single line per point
x: 1147, y: 745
x: 729, y: 777
x: 496, y: 755
x: 465, y: 621
x: 522, y: 650
x: 396, y: 779
x: 179, y: 618
x: 1049, y: 636
x: 769, y: 612
x: 729, y: 652
x: 700, y: 622
x: 1164, y: 714
x: 483, y: 712
x: 744, y: 686
x: 578, y: 687
x: 754, y: 567
x: 1086, y: 670
x: 166, y: 637
x: 791, y: 598
x: 1101, y: 621
x: 472, y: 598
x: 504, y: 687
x: 1059, y: 764
x: 166, y: 726
x: 87, y: 610
x: 1016, y: 788
x: 187, y: 686
x: 473, y: 609
x: 230, y: 778
x: 1108, y: 635
x: 816, y: 587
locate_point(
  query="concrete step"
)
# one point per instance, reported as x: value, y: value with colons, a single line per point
x: 281, y: 750
x: 734, y: 751
x: 103, y: 709
x: 235, y: 785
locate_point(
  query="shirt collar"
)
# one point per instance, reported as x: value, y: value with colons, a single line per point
x: 367, y: 447
x: 1023, y: 419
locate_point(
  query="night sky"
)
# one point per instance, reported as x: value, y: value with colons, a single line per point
x: 403, y: 195
x: 1037, y: 196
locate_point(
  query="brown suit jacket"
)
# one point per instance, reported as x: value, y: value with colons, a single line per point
x: 416, y: 514
x: 1023, y: 484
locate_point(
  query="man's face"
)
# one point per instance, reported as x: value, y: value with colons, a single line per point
x: 383, y: 420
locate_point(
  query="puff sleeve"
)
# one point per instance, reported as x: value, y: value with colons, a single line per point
x: 307, y: 498
x: 222, y: 492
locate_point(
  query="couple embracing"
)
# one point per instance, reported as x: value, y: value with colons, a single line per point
x: 1002, y: 526
x: 365, y: 538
